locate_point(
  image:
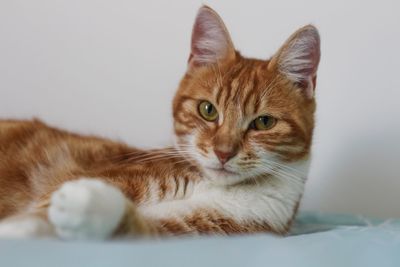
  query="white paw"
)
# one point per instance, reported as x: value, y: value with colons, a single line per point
x: 24, y: 227
x: 86, y: 209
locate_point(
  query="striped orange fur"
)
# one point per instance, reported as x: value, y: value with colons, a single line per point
x: 222, y: 176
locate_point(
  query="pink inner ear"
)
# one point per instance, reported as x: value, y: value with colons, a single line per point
x: 300, y: 58
x: 210, y: 41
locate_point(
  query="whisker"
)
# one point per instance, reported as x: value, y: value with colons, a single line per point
x: 283, y: 174
x: 142, y: 152
x: 156, y: 155
x: 284, y: 166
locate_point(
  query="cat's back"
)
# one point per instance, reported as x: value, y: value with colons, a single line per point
x: 36, y: 136
x: 14, y: 134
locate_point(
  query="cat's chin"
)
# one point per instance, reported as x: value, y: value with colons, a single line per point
x: 222, y: 176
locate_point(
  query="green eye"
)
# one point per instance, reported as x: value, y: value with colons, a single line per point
x: 208, y: 111
x: 263, y: 123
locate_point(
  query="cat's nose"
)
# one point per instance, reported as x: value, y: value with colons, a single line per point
x: 224, y: 156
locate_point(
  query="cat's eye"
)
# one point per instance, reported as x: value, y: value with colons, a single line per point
x: 263, y: 123
x: 208, y: 111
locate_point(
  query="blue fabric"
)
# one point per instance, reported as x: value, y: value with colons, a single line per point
x: 317, y: 240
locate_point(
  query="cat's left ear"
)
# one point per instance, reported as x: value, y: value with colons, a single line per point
x: 211, y: 42
x: 298, y: 59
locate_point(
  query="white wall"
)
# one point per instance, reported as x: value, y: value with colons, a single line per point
x: 111, y: 68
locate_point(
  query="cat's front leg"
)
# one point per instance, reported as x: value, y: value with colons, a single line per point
x: 86, y: 208
x: 190, y: 217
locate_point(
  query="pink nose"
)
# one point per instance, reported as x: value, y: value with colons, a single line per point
x: 224, y: 156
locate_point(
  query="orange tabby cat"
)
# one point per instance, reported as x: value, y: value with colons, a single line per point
x: 243, y: 133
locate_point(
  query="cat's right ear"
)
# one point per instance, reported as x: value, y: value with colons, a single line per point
x: 211, y: 42
x: 298, y: 59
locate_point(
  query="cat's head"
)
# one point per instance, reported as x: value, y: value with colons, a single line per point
x: 240, y: 118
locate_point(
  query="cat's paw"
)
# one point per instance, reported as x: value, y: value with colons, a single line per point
x: 86, y: 209
x: 21, y: 227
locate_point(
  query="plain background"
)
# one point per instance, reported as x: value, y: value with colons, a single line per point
x: 111, y: 68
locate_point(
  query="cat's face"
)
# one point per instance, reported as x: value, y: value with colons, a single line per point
x: 241, y: 118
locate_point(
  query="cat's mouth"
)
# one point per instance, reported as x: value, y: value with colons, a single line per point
x: 222, y: 171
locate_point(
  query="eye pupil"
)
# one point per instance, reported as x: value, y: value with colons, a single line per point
x: 264, y: 120
x: 209, y: 108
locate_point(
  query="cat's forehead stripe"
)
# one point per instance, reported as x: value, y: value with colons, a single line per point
x: 242, y: 87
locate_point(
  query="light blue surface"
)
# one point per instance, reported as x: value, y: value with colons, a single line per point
x: 317, y: 240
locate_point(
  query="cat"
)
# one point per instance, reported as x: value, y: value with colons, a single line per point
x: 243, y: 131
